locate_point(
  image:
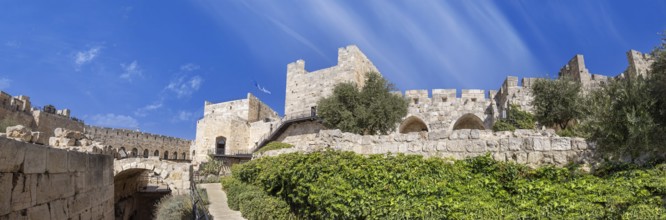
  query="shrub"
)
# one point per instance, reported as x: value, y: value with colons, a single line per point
x: 502, y: 125
x: 253, y: 202
x: 274, y: 146
x: 371, y: 110
x: 344, y: 185
x: 515, y: 118
x: 174, y: 208
x: 557, y: 102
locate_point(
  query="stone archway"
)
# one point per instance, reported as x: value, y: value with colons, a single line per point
x: 469, y: 121
x: 412, y: 124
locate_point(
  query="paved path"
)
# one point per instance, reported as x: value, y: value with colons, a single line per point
x: 218, y: 203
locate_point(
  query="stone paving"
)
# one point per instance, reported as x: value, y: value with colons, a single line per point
x: 218, y: 207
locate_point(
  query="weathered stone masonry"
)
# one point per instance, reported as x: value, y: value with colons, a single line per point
x: 522, y: 146
x: 39, y: 182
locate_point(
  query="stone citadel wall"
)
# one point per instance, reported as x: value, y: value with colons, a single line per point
x: 305, y: 88
x: 39, y: 182
x: 522, y: 146
x: 19, y: 111
x: 240, y: 123
x: 141, y: 142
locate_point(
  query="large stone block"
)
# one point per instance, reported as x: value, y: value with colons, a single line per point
x: 39, y: 212
x: 441, y: 146
x: 541, y: 144
x: 12, y: 154
x: 24, y: 194
x: 80, y: 203
x: 6, y: 192
x: 58, y: 209
x: 534, y: 158
x: 77, y: 161
x: 476, y: 146
x: 56, y: 161
x: 561, y: 143
x: 35, y: 159
x: 456, y: 146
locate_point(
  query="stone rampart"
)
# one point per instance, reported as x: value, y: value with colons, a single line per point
x: 522, y: 146
x: 145, y: 144
x: 39, y: 182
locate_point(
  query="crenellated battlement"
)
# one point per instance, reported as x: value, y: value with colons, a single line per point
x: 120, y: 133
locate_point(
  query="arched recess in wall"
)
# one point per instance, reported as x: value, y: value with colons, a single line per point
x: 220, y: 145
x: 135, y: 152
x: 183, y: 156
x: 157, y: 153
x: 412, y: 124
x: 175, y: 156
x: 145, y: 153
x: 468, y: 121
x: 166, y: 155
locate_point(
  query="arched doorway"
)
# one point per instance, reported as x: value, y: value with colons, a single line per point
x: 135, y: 152
x: 175, y: 156
x: 469, y: 121
x: 412, y: 124
x: 166, y: 155
x: 220, y: 145
x: 145, y: 153
x: 183, y: 157
x: 157, y: 153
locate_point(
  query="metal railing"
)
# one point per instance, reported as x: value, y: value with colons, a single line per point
x: 199, y: 209
x: 287, y: 120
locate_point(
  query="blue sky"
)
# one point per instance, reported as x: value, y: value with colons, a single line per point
x: 150, y: 65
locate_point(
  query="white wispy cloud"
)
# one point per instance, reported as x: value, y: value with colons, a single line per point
x: 13, y: 44
x: 131, y: 71
x: 447, y: 39
x: 143, y: 111
x: 5, y: 83
x: 184, y: 86
x: 114, y: 121
x: 190, y: 67
x: 87, y: 56
x: 184, y: 116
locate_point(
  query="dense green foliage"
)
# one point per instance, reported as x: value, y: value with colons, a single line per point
x: 657, y: 83
x: 515, y: 118
x: 627, y: 116
x: 620, y: 118
x: 177, y: 207
x: 557, y: 102
x: 344, y: 185
x: 274, y: 145
x: 253, y: 202
x: 372, y: 110
x: 212, y: 166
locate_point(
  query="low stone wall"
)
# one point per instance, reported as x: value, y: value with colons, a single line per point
x: 522, y: 146
x: 40, y: 182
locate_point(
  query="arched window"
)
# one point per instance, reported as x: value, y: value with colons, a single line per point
x: 468, y: 121
x: 135, y: 152
x: 220, y: 145
x: 145, y: 153
x: 166, y: 155
x: 412, y: 124
x: 157, y: 153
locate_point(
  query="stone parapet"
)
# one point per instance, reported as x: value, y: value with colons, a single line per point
x: 529, y: 147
